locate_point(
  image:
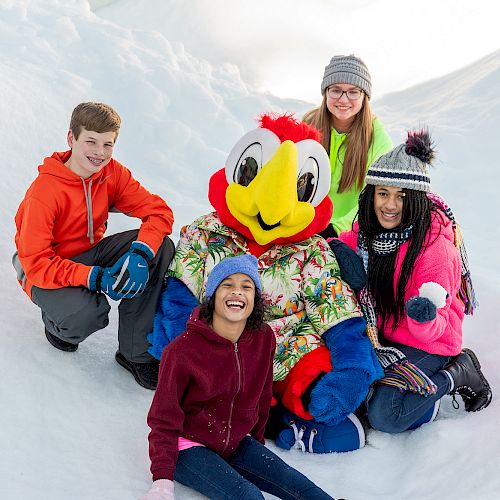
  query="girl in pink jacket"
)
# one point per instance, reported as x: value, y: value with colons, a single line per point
x: 417, y: 292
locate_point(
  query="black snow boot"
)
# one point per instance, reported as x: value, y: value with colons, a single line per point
x: 469, y: 381
x: 145, y: 374
x: 60, y: 344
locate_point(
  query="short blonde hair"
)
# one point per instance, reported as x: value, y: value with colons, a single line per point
x: 95, y: 116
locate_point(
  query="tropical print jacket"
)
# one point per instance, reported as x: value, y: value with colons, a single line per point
x: 300, y: 283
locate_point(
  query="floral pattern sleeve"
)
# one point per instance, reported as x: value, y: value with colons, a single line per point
x: 328, y: 299
x: 188, y: 264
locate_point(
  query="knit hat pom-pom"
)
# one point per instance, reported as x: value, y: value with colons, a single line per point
x: 420, y: 145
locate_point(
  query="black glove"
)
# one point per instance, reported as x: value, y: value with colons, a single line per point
x: 351, y: 266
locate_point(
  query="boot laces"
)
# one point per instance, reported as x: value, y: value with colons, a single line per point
x: 298, y: 435
x: 465, y: 391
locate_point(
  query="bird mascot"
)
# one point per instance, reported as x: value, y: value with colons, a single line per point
x: 271, y: 200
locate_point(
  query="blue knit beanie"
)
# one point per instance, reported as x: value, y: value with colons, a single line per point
x: 245, y: 264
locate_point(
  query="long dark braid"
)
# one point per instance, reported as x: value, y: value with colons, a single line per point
x: 417, y: 211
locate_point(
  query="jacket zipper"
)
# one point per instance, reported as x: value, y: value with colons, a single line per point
x: 238, y: 387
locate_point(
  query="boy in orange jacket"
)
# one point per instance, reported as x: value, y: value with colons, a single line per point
x: 66, y: 265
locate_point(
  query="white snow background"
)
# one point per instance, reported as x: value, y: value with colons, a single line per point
x: 73, y: 425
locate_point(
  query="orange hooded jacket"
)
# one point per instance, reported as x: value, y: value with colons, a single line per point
x: 63, y: 215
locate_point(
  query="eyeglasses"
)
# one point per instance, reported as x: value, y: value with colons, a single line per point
x: 336, y: 93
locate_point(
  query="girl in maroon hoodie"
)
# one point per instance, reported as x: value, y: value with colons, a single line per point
x: 214, y: 391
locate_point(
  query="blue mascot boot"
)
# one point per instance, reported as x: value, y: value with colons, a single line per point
x: 316, y: 437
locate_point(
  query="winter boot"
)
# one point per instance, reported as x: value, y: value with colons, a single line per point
x: 145, y: 374
x: 60, y: 344
x: 317, y: 437
x: 468, y: 381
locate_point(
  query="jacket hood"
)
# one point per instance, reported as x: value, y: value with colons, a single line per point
x: 55, y: 165
x: 441, y: 225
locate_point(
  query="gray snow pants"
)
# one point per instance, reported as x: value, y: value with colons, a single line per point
x: 74, y: 313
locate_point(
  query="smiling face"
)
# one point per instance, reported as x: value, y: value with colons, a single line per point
x: 274, y: 187
x: 91, y: 152
x: 388, y: 206
x: 343, y: 109
x: 234, y: 301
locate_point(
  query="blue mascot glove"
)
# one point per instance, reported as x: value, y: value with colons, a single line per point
x: 354, y: 368
x: 337, y: 395
x: 351, y: 266
x: 174, y: 306
x: 132, y: 271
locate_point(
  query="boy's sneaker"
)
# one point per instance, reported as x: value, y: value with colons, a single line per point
x: 60, y: 344
x: 145, y: 374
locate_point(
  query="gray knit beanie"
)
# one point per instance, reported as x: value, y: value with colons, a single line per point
x: 347, y: 69
x: 245, y: 264
x: 406, y: 166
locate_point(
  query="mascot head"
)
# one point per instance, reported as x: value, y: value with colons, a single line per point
x: 274, y: 187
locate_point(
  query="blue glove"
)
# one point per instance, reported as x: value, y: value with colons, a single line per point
x: 354, y: 368
x: 421, y: 309
x: 132, y: 270
x: 127, y: 277
x: 351, y: 266
x: 101, y: 280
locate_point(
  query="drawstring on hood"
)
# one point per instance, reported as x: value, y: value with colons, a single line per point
x: 88, y: 203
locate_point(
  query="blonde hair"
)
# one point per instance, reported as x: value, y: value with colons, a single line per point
x: 94, y: 116
x: 357, y: 144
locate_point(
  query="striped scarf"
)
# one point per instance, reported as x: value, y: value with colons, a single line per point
x: 399, y: 371
x: 466, y: 293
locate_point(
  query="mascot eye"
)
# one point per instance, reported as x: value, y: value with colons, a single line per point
x: 249, y: 155
x: 308, y: 180
x: 313, y: 180
x: 248, y: 165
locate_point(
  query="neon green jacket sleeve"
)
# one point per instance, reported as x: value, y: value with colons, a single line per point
x: 345, y: 205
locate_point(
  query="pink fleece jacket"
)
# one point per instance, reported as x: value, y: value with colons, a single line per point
x: 439, y: 261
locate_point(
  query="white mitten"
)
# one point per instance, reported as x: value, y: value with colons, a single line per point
x: 434, y: 292
x: 162, y: 489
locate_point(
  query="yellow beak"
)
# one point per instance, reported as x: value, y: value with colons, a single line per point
x: 269, y: 206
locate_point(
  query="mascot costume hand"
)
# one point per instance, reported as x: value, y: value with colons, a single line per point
x: 271, y: 200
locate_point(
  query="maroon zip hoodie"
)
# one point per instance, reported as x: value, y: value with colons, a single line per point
x: 211, y: 391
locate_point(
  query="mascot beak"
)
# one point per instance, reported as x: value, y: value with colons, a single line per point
x: 269, y: 205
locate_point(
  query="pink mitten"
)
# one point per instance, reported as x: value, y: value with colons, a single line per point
x: 162, y: 489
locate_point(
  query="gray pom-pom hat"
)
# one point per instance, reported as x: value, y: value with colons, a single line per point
x: 405, y: 166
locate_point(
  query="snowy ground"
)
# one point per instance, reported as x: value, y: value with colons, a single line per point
x: 73, y: 424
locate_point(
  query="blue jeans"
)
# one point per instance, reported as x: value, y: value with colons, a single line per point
x: 390, y: 410
x: 252, y: 468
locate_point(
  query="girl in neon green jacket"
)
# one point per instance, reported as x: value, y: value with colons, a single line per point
x: 352, y: 136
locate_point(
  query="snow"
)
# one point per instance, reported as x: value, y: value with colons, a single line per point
x: 73, y: 425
